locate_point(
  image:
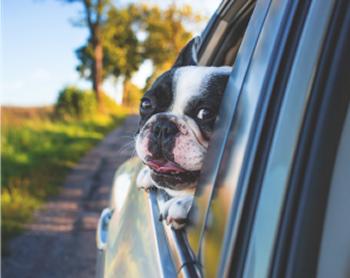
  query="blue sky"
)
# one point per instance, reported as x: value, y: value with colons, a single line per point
x: 37, y: 50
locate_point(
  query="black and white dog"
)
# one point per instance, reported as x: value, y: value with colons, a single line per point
x: 177, y: 118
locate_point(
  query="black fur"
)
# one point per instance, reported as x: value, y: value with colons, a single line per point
x: 160, y: 94
x: 188, y: 56
x: 162, y: 138
x: 210, y: 98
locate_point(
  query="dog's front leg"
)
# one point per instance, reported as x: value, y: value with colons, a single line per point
x: 175, y: 211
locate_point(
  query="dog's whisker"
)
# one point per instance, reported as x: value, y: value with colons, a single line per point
x: 127, y: 136
x: 127, y: 148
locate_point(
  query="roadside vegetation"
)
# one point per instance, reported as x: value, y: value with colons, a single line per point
x: 39, y: 147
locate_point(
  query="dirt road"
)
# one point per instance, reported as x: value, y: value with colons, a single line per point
x: 61, y: 241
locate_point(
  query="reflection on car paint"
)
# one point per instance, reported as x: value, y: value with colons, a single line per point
x: 131, y: 250
x: 121, y: 192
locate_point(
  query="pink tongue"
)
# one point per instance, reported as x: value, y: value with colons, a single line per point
x: 164, y: 166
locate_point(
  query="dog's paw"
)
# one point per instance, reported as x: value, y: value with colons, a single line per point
x: 175, y: 211
x: 143, y: 180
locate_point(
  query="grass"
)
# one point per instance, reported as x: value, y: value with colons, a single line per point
x: 37, y: 152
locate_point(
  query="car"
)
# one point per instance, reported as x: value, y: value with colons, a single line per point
x: 273, y: 196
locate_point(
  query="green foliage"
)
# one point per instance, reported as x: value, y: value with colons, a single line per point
x: 134, y: 33
x: 75, y: 103
x: 112, y: 108
x: 121, y: 48
x: 166, y: 35
x: 93, y: 17
x: 166, y: 32
x: 36, y: 154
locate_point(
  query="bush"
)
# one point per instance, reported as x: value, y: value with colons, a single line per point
x: 36, y: 154
x: 75, y: 103
x: 110, y: 107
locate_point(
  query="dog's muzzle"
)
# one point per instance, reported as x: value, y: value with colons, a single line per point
x: 171, y: 143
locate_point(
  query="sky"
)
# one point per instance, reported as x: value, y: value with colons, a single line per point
x: 37, y: 47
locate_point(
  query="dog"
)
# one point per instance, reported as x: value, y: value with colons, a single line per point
x: 178, y: 114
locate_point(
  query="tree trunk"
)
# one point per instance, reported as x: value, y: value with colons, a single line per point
x: 97, y: 72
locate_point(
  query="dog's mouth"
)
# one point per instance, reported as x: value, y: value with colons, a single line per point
x: 168, y: 169
x: 165, y: 166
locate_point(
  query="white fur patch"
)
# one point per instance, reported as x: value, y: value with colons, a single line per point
x: 176, y: 209
x: 190, y: 148
x: 189, y: 82
x: 141, y: 146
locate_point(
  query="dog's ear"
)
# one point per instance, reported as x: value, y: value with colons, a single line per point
x: 188, y: 55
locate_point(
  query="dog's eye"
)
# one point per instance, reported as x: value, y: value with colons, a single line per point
x: 205, y: 114
x: 146, y: 104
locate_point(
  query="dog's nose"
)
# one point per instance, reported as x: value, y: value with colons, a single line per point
x: 165, y: 129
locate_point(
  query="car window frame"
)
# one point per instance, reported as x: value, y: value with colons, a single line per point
x: 219, y: 24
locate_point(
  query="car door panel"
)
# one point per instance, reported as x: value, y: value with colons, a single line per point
x: 133, y: 240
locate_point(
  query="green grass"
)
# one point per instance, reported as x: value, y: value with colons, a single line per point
x: 36, y: 154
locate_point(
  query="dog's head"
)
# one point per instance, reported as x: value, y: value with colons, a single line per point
x: 177, y: 117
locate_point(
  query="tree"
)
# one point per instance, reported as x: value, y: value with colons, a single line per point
x: 166, y: 34
x: 122, y: 53
x: 122, y: 46
x: 115, y: 47
x: 94, y: 17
